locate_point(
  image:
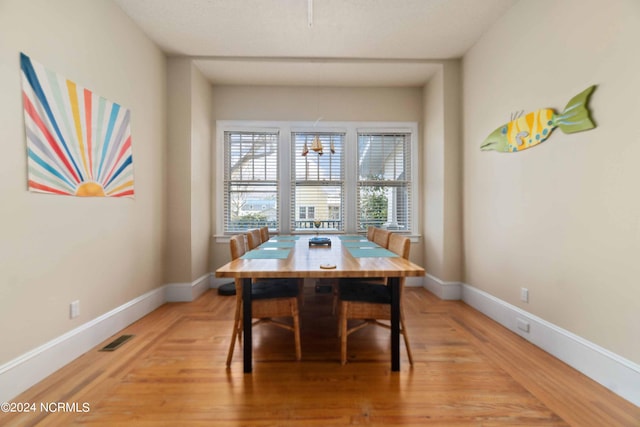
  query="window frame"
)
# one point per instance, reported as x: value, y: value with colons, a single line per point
x: 257, y: 183
x: 285, y: 130
x: 311, y: 182
x: 390, y: 184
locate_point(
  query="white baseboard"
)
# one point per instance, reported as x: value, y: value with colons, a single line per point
x: 612, y: 371
x: 441, y: 289
x: 414, y: 282
x: 32, y: 367
x: 185, y: 292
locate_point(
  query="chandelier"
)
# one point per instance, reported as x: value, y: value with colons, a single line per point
x: 316, y: 145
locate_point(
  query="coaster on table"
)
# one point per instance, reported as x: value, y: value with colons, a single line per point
x: 327, y: 266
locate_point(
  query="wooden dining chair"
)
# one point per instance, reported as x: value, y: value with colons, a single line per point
x: 254, y: 238
x: 381, y: 237
x: 382, y: 241
x: 271, y: 298
x: 264, y: 233
x: 371, y: 231
x: 371, y: 301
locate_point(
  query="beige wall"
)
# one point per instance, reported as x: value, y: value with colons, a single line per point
x: 201, y: 143
x: 441, y: 157
x: 561, y: 219
x: 189, y: 171
x: 56, y: 249
x: 178, y: 262
x: 308, y: 104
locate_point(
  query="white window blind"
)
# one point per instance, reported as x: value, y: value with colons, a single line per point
x: 317, y: 190
x: 250, y: 181
x: 384, y: 181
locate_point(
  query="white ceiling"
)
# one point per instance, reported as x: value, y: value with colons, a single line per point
x: 341, y: 43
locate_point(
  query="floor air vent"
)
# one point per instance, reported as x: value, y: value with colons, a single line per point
x: 116, y: 343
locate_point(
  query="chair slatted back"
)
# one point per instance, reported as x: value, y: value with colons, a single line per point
x: 399, y: 245
x: 264, y: 233
x: 381, y: 237
x: 237, y: 246
x: 371, y: 231
x: 253, y: 238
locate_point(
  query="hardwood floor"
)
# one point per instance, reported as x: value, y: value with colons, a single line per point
x: 468, y: 371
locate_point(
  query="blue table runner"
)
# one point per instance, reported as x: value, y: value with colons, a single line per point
x: 371, y: 253
x: 359, y: 244
x: 266, y: 254
x: 278, y: 244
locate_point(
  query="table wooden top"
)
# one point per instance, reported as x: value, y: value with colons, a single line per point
x: 305, y: 261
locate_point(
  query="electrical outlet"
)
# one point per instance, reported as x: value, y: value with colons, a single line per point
x: 74, y: 309
x: 524, y: 294
x: 523, y: 325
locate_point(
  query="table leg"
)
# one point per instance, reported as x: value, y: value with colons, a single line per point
x: 246, y: 325
x: 394, y: 282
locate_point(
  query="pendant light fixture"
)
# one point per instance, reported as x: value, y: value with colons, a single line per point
x: 316, y: 145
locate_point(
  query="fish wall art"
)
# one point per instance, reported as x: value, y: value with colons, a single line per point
x: 529, y: 130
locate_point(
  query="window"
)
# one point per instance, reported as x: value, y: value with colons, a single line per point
x: 384, y: 181
x: 334, y: 212
x: 307, y: 212
x: 363, y: 176
x: 250, y: 180
x: 317, y: 181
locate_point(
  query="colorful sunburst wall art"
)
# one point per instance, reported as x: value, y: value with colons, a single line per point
x: 78, y: 143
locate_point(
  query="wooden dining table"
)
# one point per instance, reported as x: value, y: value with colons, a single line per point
x: 294, y: 257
